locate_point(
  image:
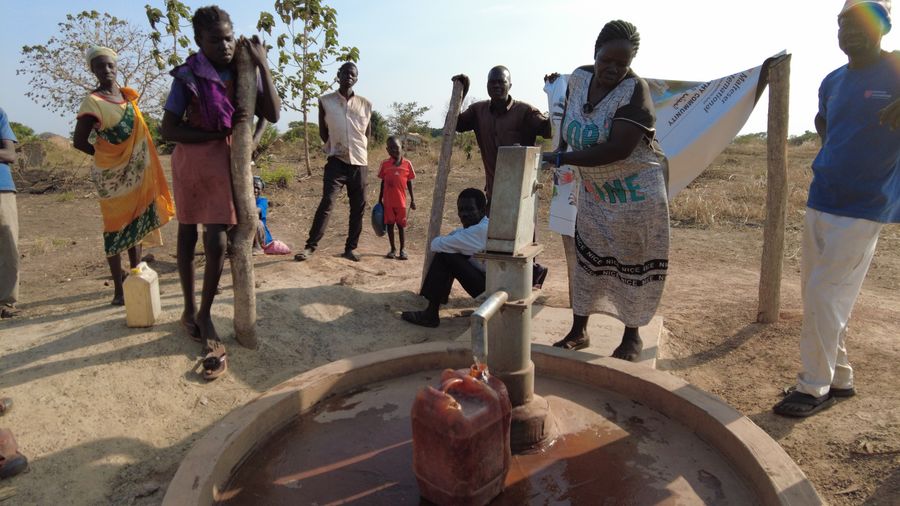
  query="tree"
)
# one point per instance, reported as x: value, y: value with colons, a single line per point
x: 22, y: 132
x: 307, y: 45
x: 295, y: 130
x: 177, y: 18
x: 379, y: 128
x: 59, y: 77
x: 407, y: 117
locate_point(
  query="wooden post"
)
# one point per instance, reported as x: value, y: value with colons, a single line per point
x: 443, y: 171
x: 244, y: 203
x: 776, y: 191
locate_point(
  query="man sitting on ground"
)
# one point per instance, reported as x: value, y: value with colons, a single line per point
x: 453, y: 259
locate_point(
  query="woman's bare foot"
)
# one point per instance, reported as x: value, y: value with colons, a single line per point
x: 630, y: 348
x: 190, y: 325
x: 118, y: 299
x: 206, y: 327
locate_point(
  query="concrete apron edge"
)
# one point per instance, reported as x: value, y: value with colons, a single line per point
x: 212, y: 460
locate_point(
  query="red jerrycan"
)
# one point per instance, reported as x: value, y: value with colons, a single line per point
x: 461, y: 450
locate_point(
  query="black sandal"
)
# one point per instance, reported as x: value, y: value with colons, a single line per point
x: 573, y: 344
x: 840, y: 393
x: 799, y: 405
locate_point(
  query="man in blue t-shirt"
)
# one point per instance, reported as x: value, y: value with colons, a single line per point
x: 9, y: 223
x: 855, y: 190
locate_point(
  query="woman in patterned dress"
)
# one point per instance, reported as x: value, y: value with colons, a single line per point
x: 622, y: 226
x: 134, y: 197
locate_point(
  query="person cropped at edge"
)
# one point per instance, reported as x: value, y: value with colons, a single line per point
x: 622, y: 224
x: 855, y: 190
x: 344, y: 126
x: 9, y: 223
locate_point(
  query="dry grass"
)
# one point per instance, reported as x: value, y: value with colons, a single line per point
x: 42, y: 245
x: 732, y: 191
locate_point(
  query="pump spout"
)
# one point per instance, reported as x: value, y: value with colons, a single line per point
x: 480, y: 318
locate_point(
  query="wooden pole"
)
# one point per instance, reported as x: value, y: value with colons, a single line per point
x: 244, y: 203
x: 440, y: 182
x: 776, y: 191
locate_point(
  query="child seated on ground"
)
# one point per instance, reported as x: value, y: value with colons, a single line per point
x: 262, y: 241
x: 396, y: 176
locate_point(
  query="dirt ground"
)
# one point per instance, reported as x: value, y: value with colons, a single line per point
x: 105, y: 413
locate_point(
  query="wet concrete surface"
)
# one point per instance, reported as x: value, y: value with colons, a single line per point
x: 357, y: 449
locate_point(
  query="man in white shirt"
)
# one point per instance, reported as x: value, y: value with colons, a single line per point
x: 344, y: 126
x: 453, y: 259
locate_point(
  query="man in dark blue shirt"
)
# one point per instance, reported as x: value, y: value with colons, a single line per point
x: 855, y: 190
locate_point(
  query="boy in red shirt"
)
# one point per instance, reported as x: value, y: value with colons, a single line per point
x: 396, y: 176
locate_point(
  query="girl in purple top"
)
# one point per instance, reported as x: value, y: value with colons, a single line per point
x: 199, y: 114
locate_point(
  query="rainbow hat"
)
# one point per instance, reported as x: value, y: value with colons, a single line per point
x: 880, y: 10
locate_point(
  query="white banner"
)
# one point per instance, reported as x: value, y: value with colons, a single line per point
x: 695, y: 122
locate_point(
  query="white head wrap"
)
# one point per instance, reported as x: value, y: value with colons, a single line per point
x: 95, y: 51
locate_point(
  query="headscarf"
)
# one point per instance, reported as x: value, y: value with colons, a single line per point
x: 880, y: 10
x: 95, y: 51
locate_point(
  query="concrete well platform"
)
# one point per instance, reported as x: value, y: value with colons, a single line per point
x: 341, y: 433
x: 550, y: 324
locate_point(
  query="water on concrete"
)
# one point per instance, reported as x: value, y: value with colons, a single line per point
x: 357, y: 448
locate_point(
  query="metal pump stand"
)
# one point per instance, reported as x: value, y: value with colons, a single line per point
x: 501, y: 327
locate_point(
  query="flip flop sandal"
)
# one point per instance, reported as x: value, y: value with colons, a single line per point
x: 391, y: 254
x: 573, y: 344
x: 841, y: 393
x: 5, y: 405
x: 402, y: 255
x: 214, y: 364
x: 7, y: 311
x: 419, y: 318
x: 799, y: 405
x: 12, y: 462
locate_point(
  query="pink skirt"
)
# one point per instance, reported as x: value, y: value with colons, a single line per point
x: 201, y: 180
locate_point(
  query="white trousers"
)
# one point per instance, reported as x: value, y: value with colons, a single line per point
x: 9, y: 252
x: 837, y: 251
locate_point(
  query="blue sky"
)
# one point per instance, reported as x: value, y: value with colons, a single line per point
x: 410, y: 49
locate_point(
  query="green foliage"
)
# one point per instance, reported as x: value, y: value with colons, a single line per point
x: 307, y: 45
x: 23, y: 133
x: 407, y: 117
x: 177, y: 18
x: 59, y: 77
x: 379, y: 128
x: 799, y: 140
x: 162, y: 146
x: 269, y: 135
x: 296, y: 129
x: 277, y: 176
x: 750, y: 138
x: 466, y: 141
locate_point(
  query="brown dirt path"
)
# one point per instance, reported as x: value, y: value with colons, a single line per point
x: 105, y: 412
